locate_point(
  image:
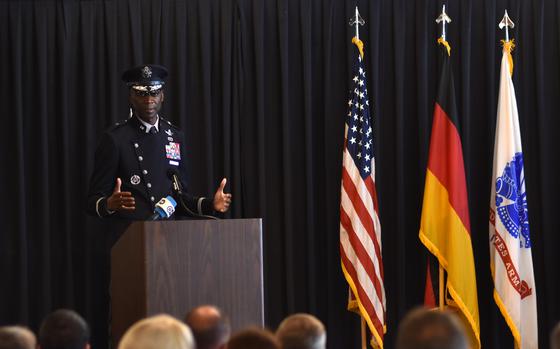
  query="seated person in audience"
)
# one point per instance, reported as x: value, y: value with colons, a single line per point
x: 16, y: 337
x: 210, y: 328
x: 158, y: 332
x: 64, y: 329
x: 422, y: 328
x: 302, y: 331
x: 555, y: 337
x: 254, y: 338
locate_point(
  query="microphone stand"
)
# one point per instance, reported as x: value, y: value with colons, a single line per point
x: 177, y: 190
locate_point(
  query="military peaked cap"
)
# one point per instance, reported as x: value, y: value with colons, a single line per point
x: 145, y: 75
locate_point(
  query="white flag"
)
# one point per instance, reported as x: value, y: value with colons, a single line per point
x: 511, y: 261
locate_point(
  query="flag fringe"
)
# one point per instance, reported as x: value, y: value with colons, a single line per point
x: 458, y: 300
x: 363, y: 311
x: 511, y: 324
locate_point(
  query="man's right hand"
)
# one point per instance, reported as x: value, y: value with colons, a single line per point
x: 120, y: 200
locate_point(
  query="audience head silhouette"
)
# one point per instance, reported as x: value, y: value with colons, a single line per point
x: 158, y: 332
x: 430, y: 329
x: 16, y: 337
x: 555, y: 337
x: 210, y: 328
x: 64, y: 329
x: 253, y: 338
x: 302, y: 331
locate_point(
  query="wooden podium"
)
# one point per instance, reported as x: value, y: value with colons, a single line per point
x: 173, y: 266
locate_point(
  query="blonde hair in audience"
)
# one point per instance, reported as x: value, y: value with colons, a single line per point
x: 158, y: 332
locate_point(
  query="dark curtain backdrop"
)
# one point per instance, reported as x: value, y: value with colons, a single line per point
x: 260, y: 88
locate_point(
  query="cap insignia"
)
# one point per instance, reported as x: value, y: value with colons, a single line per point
x: 146, y: 72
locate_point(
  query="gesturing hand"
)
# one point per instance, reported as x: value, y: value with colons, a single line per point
x: 221, y: 199
x: 120, y: 200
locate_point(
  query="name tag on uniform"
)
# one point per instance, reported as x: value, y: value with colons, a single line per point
x: 172, y: 151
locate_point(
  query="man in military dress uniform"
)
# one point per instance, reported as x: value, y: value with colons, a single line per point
x: 131, y: 174
x: 135, y: 158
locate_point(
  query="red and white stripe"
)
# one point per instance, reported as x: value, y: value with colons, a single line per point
x: 360, y: 242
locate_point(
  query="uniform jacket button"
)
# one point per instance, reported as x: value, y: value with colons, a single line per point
x: 140, y: 158
x: 145, y: 172
x: 136, y: 145
x: 149, y: 185
x: 153, y: 198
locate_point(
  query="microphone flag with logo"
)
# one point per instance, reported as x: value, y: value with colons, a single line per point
x: 164, y: 208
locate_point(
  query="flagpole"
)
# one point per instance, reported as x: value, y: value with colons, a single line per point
x: 441, y: 299
x: 363, y: 326
x: 357, y: 24
x: 508, y: 45
x: 507, y: 23
x: 443, y: 18
x: 356, y: 21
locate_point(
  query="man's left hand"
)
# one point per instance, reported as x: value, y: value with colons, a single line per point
x: 221, y: 199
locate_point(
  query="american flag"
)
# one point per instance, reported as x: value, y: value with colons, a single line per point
x: 360, y: 230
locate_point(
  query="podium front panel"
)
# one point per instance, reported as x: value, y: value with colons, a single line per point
x: 174, y: 266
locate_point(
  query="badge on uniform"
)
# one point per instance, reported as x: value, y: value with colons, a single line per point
x: 172, y: 151
x: 135, y: 179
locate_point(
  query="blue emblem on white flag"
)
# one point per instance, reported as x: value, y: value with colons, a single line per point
x: 511, y: 201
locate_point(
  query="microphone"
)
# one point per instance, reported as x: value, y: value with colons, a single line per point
x: 173, y: 175
x: 164, y: 209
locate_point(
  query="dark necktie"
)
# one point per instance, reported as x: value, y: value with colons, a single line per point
x: 152, y: 130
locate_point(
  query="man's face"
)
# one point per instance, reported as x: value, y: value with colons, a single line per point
x: 146, y: 105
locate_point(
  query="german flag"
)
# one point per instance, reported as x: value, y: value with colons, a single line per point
x: 445, y: 225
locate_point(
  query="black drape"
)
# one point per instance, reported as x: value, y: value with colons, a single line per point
x: 260, y: 89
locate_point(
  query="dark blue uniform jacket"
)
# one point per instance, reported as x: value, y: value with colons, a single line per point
x: 142, y: 161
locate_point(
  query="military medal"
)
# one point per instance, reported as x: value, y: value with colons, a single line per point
x: 135, y: 179
x: 172, y: 151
